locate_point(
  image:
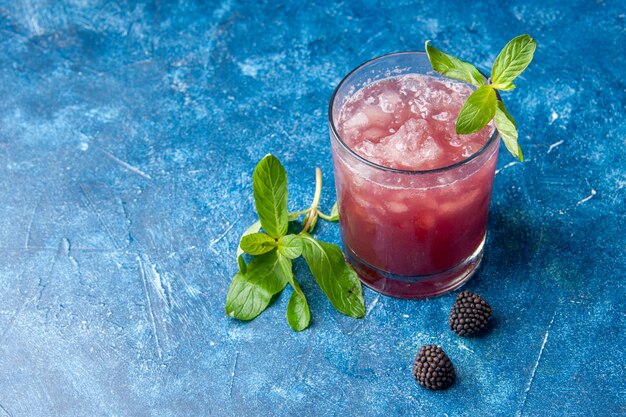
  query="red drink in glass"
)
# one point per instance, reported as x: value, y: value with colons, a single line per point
x: 413, y: 195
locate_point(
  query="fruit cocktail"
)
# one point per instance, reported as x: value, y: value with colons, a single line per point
x: 413, y: 195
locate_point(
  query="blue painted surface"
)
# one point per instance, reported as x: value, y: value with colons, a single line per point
x: 128, y: 135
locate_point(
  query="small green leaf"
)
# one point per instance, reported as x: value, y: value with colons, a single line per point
x: 242, y: 264
x: 334, y: 213
x: 269, y: 182
x: 298, y: 314
x: 453, y: 67
x: 511, y: 61
x: 290, y: 246
x: 254, y: 228
x: 334, y: 275
x: 257, y: 243
x: 477, y: 111
x: 251, y: 292
x: 507, y: 128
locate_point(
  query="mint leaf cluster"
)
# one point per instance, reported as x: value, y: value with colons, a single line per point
x: 483, y: 105
x: 271, y: 269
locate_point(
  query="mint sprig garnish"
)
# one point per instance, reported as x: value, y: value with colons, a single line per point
x: 271, y: 269
x: 482, y: 105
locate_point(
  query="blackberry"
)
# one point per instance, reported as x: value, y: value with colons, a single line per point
x: 433, y: 369
x: 469, y: 315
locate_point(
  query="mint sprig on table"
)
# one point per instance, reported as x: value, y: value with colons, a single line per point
x: 483, y: 105
x: 274, y: 249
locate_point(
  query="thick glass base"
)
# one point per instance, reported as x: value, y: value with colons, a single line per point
x: 420, y: 286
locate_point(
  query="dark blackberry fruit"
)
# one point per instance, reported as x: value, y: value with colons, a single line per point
x: 433, y: 369
x: 469, y: 315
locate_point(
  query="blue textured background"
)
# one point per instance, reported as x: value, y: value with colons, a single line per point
x: 128, y: 135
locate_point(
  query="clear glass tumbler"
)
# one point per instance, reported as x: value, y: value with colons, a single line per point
x: 409, y: 234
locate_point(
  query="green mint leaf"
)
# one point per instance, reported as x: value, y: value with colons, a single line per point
x: 284, y: 269
x: 257, y: 243
x: 290, y: 246
x: 242, y: 264
x: 298, y: 314
x: 334, y: 275
x: 507, y: 128
x: 254, y: 228
x: 269, y: 182
x: 453, y: 67
x: 334, y: 213
x: 477, y: 111
x: 251, y: 292
x: 511, y: 61
x: 245, y: 301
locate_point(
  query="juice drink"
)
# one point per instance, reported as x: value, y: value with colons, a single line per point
x: 413, y: 195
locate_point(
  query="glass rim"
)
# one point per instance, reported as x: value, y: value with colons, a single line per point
x: 383, y: 167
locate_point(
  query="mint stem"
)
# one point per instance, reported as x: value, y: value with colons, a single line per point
x: 311, y: 217
x: 324, y: 216
x: 299, y: 213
